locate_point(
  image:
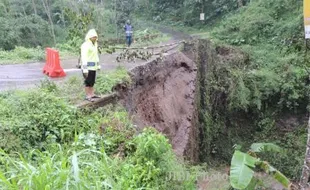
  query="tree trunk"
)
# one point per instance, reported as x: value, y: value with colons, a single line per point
x: 240, y: 3
x: 63, y: 14
x: 116, y: 30
x: 4, y: 7
x: 34, y: 8
x: 48, y: 13
x: 304, y: 185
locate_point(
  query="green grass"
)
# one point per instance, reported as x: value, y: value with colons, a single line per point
x: 72, y: 90
x: 21, y: 55
x: 107, y: 80
x: 86, y: 165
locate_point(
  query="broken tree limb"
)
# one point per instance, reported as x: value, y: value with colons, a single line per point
x: 99, y: 102
x: 152, y: 47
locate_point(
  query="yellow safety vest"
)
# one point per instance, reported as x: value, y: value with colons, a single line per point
x: 89, y: 53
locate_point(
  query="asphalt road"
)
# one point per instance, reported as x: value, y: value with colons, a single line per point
x: 24, y: 76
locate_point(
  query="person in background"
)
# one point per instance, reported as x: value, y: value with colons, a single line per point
x: 90, y: 63
x: 128, y: 29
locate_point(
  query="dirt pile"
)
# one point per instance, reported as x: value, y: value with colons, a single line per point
x: 162, y: 95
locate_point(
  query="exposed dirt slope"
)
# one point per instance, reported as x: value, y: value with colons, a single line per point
x: 163, y: 96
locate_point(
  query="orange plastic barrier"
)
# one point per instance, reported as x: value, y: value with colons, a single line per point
x: 52, y: 67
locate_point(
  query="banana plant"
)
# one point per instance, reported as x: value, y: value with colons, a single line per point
x: 243, y: 166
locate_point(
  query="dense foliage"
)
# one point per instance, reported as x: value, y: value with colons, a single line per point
x: 186, y: 12
x: 265, y: 95
x: 46, y: 143
x: 50, y: 23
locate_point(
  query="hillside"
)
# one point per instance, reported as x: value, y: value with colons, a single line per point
x: 241, y: 77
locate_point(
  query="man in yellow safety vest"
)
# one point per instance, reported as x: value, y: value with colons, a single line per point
x: 90, y: 63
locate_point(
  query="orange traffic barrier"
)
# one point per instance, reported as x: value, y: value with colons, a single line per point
x: 52, y: 66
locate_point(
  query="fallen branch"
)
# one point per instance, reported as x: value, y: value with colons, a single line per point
x: 100, y: 102
x: 151, y: 47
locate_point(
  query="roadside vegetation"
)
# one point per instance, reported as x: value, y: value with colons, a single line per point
x: 272, y: 88
x: 263, y: 99
x: 47, y: 143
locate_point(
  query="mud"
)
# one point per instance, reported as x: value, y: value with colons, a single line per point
x: 162, y: 95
